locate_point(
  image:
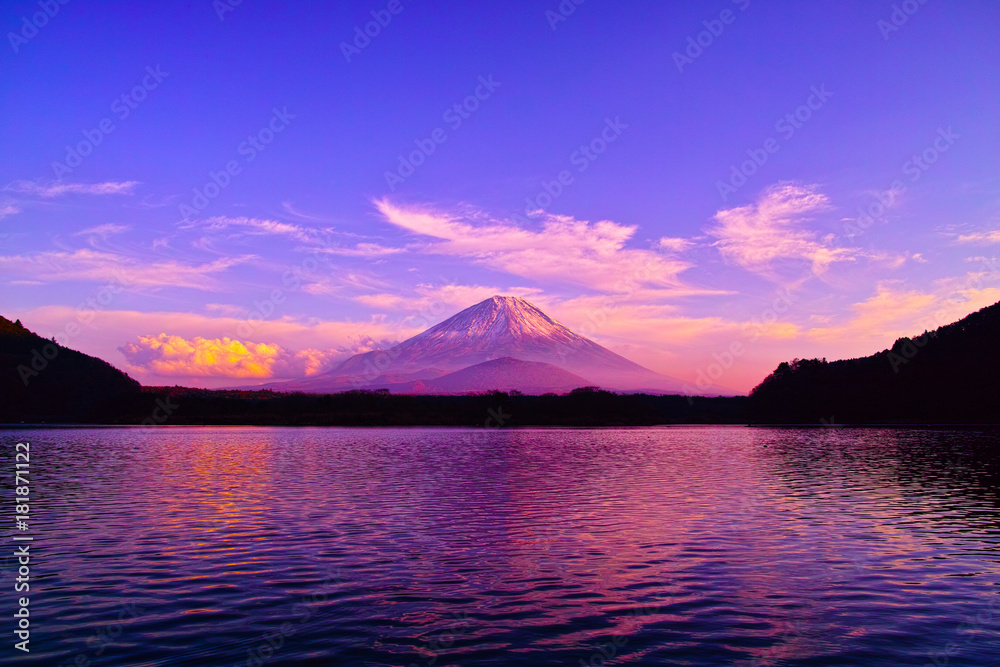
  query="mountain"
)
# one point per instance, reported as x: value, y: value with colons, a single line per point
x: 39, y: 378
x: 506, y: 374
x: 946, y: 376
x: 499, y: 327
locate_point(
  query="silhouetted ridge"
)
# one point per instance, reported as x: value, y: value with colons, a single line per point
x: 947, y: 376
x: 40, y: 379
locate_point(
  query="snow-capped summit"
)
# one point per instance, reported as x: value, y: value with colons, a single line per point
x: 499, y: 327
x: 497, y: 321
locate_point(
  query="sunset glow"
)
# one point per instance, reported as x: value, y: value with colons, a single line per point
x: 683, y: 209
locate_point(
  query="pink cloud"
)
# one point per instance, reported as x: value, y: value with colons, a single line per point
x: 565, y: 250
x: 122, y: 270
x: 52, y: 190
x: 755, y: 236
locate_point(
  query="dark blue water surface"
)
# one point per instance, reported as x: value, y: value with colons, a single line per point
x: 436, y: 547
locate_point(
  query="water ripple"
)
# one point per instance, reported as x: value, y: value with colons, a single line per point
x: 436, y: 547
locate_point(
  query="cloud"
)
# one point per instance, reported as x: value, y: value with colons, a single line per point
x: 97, y: 266
x: 885, y: 315
x: 8, y: 208
x: 641, y: 321
x: 981, y: 238
x: 367, y: 250
x: 262, y: 227
x: 321, y: 288
x: 291, y: 210
x: 756, y: 235
x: 52, y: 190
x: 103, y: 231
x: 199, y: 357
x: 102, y: 332
x: 344, y: 280
x: 893, y: 311
x: 227, y: 309
x: 670, y: 244
x: 565, y: 250
x: 434, y: 302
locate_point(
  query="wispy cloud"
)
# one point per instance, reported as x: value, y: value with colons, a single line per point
x: 262, y: 227
x: 8, y: 208
x: 565, y: 250
x: 198, y: 357
x: 98, y: 266
x: 103, y: 231
x: 367, y: 250
x: 671, y: 244
x: 757, y: 235
x: 981, y: 238
x: 440, y: 301
x: 52, y: 190
x: 343, y: 280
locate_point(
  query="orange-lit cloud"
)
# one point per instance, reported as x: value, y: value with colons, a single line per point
x: 894, y: 312
x: 981, y: 238
x: 168, y: 355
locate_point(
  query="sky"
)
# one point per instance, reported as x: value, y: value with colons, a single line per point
x: 224, y: 193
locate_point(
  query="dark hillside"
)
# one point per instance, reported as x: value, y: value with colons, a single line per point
x: 41, y: 380
x: 947, y: 376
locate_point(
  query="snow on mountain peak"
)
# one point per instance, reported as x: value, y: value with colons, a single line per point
x: 499, y: 327
x: 499, y: 317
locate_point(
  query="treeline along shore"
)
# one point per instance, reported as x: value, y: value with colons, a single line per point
x: 947, y: 376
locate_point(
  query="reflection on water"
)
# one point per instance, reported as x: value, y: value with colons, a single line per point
x: 432, y: 547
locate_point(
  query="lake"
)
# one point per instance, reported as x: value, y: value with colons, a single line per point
x: 436, y: 547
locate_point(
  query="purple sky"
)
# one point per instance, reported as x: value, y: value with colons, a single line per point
x: 585, y: 162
